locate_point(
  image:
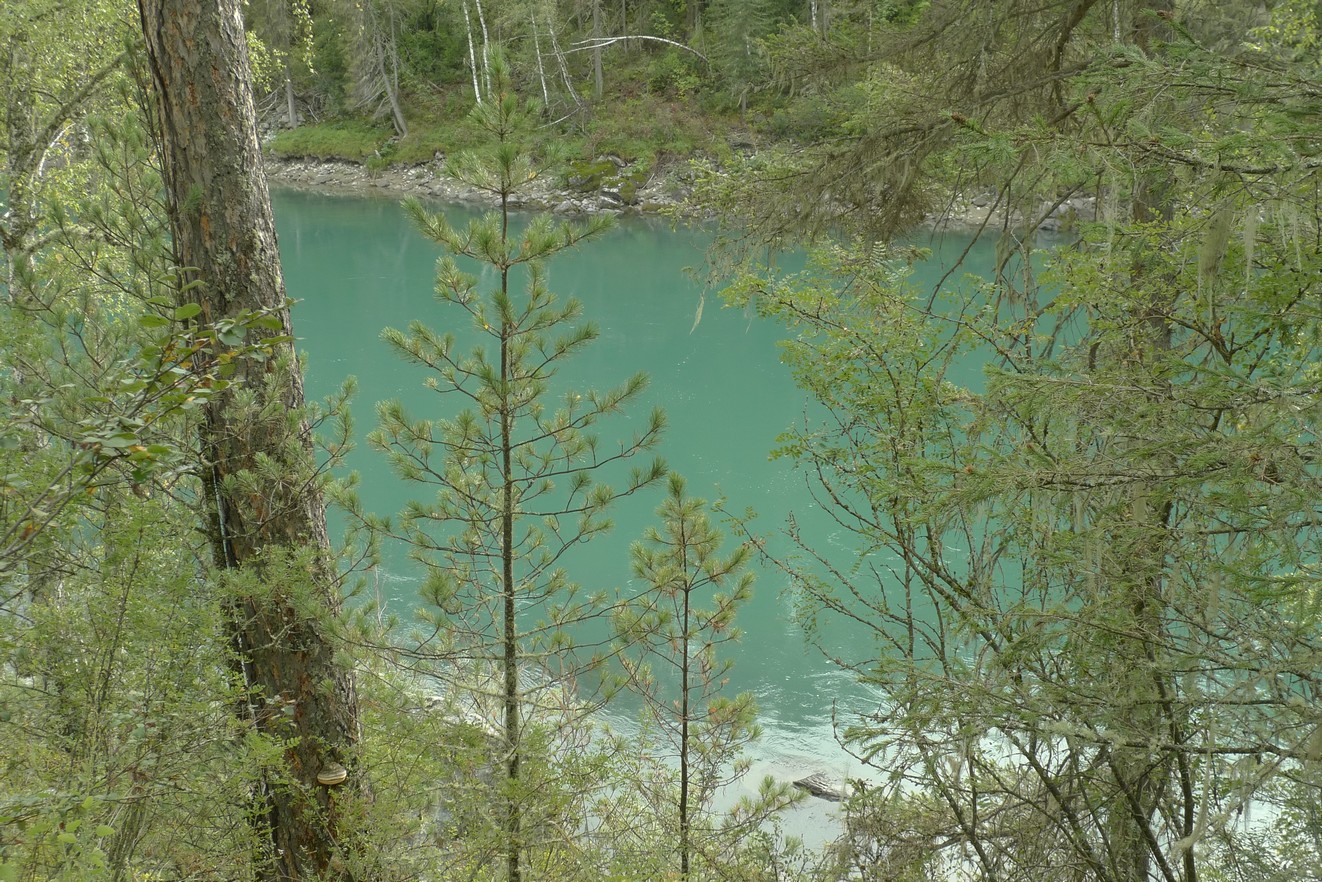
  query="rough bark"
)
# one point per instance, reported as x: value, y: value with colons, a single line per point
x: 271, y: 534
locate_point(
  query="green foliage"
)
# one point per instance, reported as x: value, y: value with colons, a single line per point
x: 431, y: 46
x: 117, y: 751
x: 674, y: 74
x: 118, y: 723
x: 332, y: 140
x: 1091, y: 569
x: 1028, y: 515
x: 329, y: 69
x: 516, y: 486
x: 115, y: 421
x: 704, y: 731
x: 1086, y: 530
x: 645, y: 128
x: 803, y: 120
x: 444, y: 136
x: 735, y: 45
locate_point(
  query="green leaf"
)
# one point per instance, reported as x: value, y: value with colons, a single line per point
x: 270, y: 322
x: 187, y: 311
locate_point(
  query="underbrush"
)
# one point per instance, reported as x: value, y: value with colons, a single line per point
x: 632, y: 122
x: 354, y: 140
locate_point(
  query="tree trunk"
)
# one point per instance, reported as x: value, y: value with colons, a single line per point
x: 390, y: 77
x: 560, y: 61
x: 268, y: 526
x: 291, y: 109
x: 472, y: 56
x: 390, y: 74
x: 684, y: 712
x: 596, y: 49
x: 1142, y: 777
x: 508, y: 551
x: 486, y: 46
x: 541, y: 69
x: 16, y: 223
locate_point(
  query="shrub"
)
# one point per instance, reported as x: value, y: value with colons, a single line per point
x: 349, y: 139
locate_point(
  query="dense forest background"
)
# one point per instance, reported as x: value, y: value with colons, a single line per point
x: 1091, y: 579
x: 393, y: 80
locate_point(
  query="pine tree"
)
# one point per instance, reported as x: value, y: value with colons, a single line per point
x: 735, y: 44
x: 516, y: 476
x: 678, y: 624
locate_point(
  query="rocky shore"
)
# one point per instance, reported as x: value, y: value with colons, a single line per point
x: 609, y: 185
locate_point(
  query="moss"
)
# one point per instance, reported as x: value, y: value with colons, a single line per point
x: 588, y: 176
x: 631, y: 180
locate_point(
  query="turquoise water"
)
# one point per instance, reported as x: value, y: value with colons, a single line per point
x: 357, y: 266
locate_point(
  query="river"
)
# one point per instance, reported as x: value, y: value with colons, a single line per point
x: 357, y: 266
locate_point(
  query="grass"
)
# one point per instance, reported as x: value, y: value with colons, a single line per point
x: 426, y: 138
x: 354, y: 140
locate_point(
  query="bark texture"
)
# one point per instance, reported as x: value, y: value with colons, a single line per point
x: 268, y: 519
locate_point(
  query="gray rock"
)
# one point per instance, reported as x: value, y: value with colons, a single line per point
x: 662, y: 192
x: 820, y: 786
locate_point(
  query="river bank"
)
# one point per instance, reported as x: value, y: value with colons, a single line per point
x: 610, y: 185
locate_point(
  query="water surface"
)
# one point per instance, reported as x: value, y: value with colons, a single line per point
x: 358, y: 267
